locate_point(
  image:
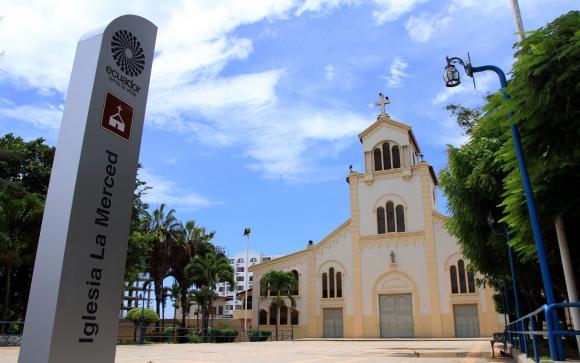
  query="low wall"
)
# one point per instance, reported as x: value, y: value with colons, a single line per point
x: 9, y: 340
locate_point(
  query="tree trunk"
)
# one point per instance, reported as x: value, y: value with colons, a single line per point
x: 158, y: 292
x: 568, y: 274
x: 174, y: 324
x: 184, y: 308
x: 197, y: 319
x: 162, y: 314
x: 204, y: 321
x: 209, y: 313
x: 8, y: 271
x: 277, y: 321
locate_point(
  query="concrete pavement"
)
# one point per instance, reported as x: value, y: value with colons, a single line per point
x: 304, y: 351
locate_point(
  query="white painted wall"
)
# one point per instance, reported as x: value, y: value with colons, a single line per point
x: 399, y: 190
x: 410, y: 260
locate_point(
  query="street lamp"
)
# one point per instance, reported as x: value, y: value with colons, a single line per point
x: 451, y: 77
x: 246, y: 284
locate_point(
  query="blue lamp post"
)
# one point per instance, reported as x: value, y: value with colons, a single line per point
x: 451, y: 77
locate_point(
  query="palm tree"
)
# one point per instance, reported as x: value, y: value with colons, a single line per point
x: 162, y: 231
x: 193, y: 241
x: 175, y: 295
x: 203, y: 298
x: 206, y: 271
x: 280, y: 284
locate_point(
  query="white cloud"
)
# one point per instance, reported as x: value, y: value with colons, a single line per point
x: 292, y: 147
x: 391, y: 10
x: 317, y: 6
x: 174, y: 196
x: 396, y: 72
x: 188, y: 94
x: 422, y: 27
x: 43, y: 116
x: 329, y: 72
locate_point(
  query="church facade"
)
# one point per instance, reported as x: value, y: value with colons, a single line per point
x: 391, y: 270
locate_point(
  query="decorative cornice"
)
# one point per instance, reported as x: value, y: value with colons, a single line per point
x: 394, y: 239
x: 383, y: 121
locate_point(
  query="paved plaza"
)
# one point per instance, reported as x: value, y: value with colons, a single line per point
x: 448, y: 351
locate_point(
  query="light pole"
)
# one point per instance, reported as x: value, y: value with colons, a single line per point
x: 247, y: 264
x: 451, y: 77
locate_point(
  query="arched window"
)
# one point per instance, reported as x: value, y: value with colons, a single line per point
x: 263, y: 317
x: 331, y: 281
x: 283, y: 315
x: 296, y: 278
x: 380, y: 220
x: 400, y: 218
x: 334, y: 287
x: 386, y: 156
x: 471, y: 281
x: 396, y: 157
x: 294, y: 317
x: 272, y: 315
x: 461, y: 269
x: 390, y: 217
x: 453, y: 277
x: 377, y: 156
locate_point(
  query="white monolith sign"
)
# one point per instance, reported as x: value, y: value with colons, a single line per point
x: 77, y: 285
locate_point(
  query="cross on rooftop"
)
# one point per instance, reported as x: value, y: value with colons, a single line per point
x: 381, y: 103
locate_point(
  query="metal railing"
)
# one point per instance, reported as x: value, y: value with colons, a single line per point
x: 136, y: 334
x: 531, y: 326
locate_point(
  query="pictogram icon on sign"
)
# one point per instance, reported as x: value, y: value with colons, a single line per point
x: 117, y: 116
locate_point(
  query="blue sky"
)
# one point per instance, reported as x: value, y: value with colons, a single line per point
x: 255, y: 106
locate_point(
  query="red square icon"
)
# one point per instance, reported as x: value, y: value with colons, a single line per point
x: 117, y: 116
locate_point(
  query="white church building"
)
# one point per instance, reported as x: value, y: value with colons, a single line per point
x: 391, y: 269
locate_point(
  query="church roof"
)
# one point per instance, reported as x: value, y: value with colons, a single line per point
x: 382, y: 120
x: 325, y: 240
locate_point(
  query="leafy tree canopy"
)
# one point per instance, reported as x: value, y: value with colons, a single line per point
x: 149, y: 316
x: 482, y: 178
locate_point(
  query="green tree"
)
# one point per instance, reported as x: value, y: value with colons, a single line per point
x: 280, y: 284
x: 175, y: 296
x: 544, y: 93
x: 203, y: 298
x: 193, y: 241
x: 140, y: 316
x: 482, y: 177
x: 20, y: 219
x: 26, y: 163
x: 139, y: 245
x: 24, y: 175
x: 207, y: 271
x: 162, y: 230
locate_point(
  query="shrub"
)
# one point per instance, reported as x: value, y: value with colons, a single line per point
x: 169, y: 333
x: 149, y: 316
x: 224, y: 335
x: 195, y: 339
x: 183, y: 335
x: 259, y: 335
